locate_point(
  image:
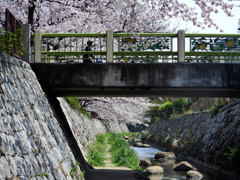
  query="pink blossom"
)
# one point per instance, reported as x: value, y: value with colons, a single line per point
x: 120, y: 15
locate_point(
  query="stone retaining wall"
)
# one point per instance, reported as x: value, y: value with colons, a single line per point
x: 33, y: 141
x: 203, y: 136
x: 85, y: 129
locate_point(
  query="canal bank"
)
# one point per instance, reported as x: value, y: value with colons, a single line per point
x: 168, y: 166
x: 204, y: 138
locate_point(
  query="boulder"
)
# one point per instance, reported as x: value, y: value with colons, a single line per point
x: 136, y: 140
x: 154, y: 170
x: 194, y: 175
x: 137, y: 144
x: 183, y: 166
x: 146, y: 145
x: 140, y: 144
x: 126, y: 137
x: 165, y: 155
x: 145, y: 162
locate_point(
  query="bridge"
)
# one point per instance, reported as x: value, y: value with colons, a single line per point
x: 139, y: 64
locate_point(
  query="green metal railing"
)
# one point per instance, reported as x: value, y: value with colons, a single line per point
x: 70, y: 47
x: 144, y: 47
x: 137, y: 48
x: 213, y: 48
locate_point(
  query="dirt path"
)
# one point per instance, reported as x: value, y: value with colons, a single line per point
x: 107, y: 157
x: 111, y: 172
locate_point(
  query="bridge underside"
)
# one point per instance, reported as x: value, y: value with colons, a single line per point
x: 135, y: 80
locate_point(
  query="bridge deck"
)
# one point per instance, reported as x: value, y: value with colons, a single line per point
x: 132, y: 80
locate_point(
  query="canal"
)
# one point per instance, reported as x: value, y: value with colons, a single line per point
x: 168, y: 166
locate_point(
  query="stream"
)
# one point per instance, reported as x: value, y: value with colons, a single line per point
x: 169, y: 173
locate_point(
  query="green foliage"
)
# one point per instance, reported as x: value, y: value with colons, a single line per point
x: 95, y: 158
x: 166, y: 109
x: 201, y: 104
x: 44, y: 174
x: 180, y: 105
x: 156, y: 100
x: 96, y: 153
x: 11, y: 43
x: 121, y: 152
x: 75, y: 172
x: 152, y: 113
x: 73, y: 101
x: 161, y: 111
x: 35, y: 151
x: 215, y: 109
x: 129, y: 134
x: 168, y: 139
x: 233, y: 156
x: 177, y: 107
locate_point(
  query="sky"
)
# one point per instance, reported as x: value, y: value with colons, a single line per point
x: 228, y: 24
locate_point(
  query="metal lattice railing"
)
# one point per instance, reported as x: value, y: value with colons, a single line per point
x: 71, y: 47
x: 144, y: 47
x: 222, y: 48
x: 137, y: 48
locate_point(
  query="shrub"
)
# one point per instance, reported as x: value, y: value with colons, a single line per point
x: 216, y: 108
x: 233, y: 156
x: 11, y: 43
x: 166, y: 109
x: 152, y: 113
x: 178, y: 106
x: 156, y: 112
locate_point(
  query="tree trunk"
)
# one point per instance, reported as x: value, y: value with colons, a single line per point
x: 31, y: 9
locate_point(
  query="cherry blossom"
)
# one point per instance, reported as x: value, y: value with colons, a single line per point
x: 86, y: 16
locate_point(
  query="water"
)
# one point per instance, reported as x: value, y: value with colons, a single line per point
x: 169, y: 173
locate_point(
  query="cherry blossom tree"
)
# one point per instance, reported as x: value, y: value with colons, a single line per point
x: 119, y: 15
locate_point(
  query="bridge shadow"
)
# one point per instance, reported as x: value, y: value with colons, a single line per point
x: 114, y: 173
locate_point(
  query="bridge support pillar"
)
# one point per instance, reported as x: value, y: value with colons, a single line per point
x: 109, y: 46
x: 38, y: 46
x: 181, y: 46
x: 26, y: 38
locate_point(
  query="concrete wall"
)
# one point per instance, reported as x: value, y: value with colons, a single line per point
x: 204, y: 136
x: 36, y: 140
x: 137, y: 79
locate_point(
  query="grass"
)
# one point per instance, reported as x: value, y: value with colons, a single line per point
x: 122, y: 154
x: 73, y: 101
x: 97, y: 151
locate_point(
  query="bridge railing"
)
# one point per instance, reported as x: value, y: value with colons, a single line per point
x: 145, y: 47
x: 218, y: 48
x: 137, y: 47
x: 65, y: 47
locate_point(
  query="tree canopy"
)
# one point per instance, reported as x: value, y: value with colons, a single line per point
x: 119, y: 15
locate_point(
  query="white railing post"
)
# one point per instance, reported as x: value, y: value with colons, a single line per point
x: 109, y: 46
x: 181, y: 46
x: 38, y: 46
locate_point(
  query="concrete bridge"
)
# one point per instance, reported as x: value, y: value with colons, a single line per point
x: 143, y: 64
x: 119, y: 79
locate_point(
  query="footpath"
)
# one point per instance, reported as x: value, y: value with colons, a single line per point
x: 111, y: 172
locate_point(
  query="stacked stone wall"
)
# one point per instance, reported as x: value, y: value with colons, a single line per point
x: 203, y: 136
x: 85, y: 129
x: 34, y: 142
